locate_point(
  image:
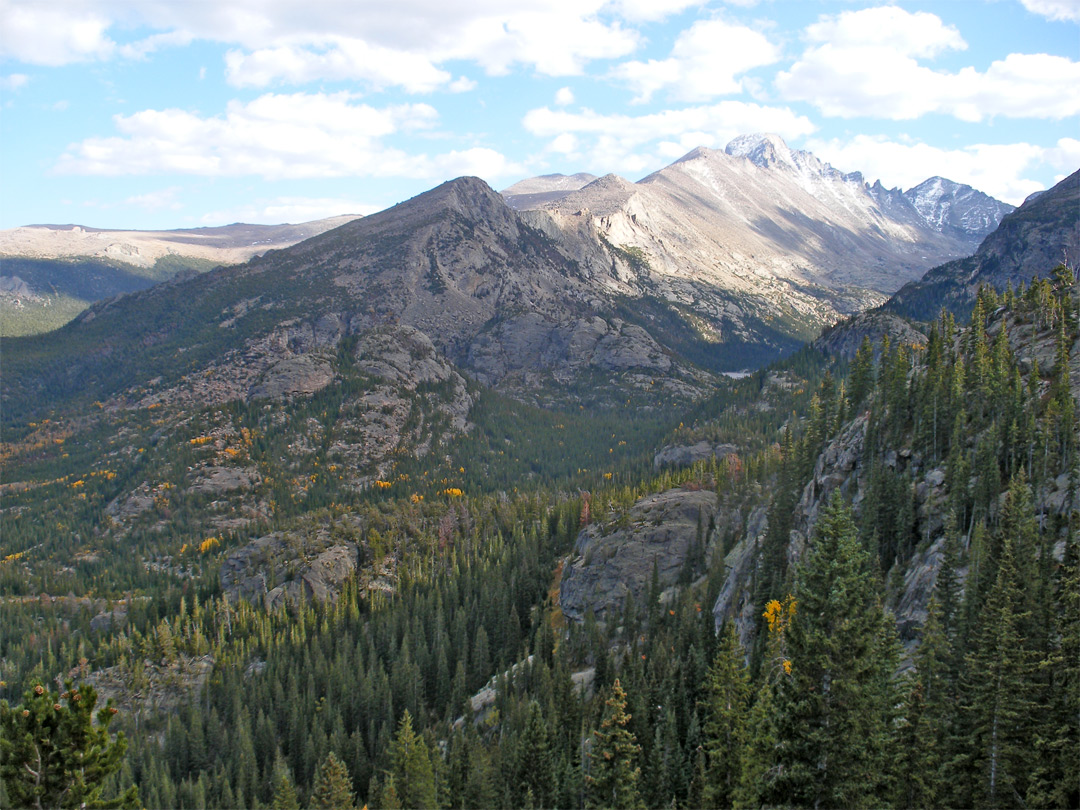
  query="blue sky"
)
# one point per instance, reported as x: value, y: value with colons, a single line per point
x: 187, y: 113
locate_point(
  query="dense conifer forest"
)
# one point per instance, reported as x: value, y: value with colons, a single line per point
x: 461, y: 684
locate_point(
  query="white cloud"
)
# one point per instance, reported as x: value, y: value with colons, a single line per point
x: 275, y: 136
x: 14, y: 81
x: 1054, y: 9
x: 284, y: 41
x: 705, y: 62
x: 637, y: 143
x: 144, y: 47
x: 343, y: 59
x: 564, y: 97
x: 1000, y: 170
x: 280, y: 210
x: 865, y: 63
x: 47, y: 34
x: 652, y: 10
x: 462, y: 84
x: 913, y: 34
x: 156, y: 200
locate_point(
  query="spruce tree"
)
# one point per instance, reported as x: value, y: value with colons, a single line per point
x: 998, y: 676
x: 284, y: 797
x: 535, y: 764
x: 410, y: 762
x: 613, y: 761
x: 727, y: 700
x: 333, y: 786
x: 828, y: 707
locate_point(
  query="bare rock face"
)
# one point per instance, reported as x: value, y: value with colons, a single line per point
x: 280, y: 568
x: 611, y: 562
x: 687, y: 455
x: 158, y: 686
x: 844, y: 338
x: 531, y: 342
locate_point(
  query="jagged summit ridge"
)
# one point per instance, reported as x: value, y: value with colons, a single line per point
x: 943, y: 203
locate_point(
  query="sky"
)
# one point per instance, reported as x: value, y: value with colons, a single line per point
x: 158, y: 114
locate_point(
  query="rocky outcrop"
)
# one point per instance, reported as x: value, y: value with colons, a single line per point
x: 844, y: 338
x: 532, y: 343
x: 283, y: 567
x: 677, y: 455
x: 153, y: 686
x: 613, y: 561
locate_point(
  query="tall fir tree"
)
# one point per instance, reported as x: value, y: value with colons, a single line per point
x: 997, y: 687
x: 727, y: 701
x: 612, y: 780
x: 828, y: 708
x: 333, y: 786
x: 410, y: 761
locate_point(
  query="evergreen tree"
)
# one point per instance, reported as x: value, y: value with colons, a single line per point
x: 410, y: 762
x: 998, y: 680
x: 613, y: 761
x: 333, y: 786
x: 727, y: 699
x: 53, y: 753
x: 535, y: 764
x: 284, y: 791
x: 828, y: 707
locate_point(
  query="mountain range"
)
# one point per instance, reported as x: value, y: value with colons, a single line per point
x: 50, y: 273
x: 472, y: 463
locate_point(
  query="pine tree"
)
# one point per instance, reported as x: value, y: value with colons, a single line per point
x: 284, y: 791
x: 998, y: 675
x: 535, y: 763
x: 613, y: 761
x: 828, y: 707
x: 333, y: 786
x: 727, y: 702
x: 410, y: 762
x: 53, y: 753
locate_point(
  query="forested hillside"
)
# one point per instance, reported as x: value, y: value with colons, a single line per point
x: 903, y: 629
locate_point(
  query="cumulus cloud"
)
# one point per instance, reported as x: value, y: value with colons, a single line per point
x: 281, y: 41
x: 275, y: 136
x: 639, y: 143
x: 1000, y: 170
x: 564, y: 96
x: 706, y: 61
x: 52, y: 35
x: 341, y: 59
x: 865, y: 63
x: 1054, y: 9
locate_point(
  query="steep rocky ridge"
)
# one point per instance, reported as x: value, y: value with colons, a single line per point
x: 1030, y: 241
x: 949, y: 206
x: 760, y: 241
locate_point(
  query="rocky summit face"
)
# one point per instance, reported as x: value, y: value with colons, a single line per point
x: 946, y: 205
x: 1030, y: 241
x: 760, y: 238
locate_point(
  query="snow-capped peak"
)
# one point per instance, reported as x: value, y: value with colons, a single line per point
x: 762, y: 149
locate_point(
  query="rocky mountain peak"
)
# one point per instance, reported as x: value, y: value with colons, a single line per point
x: 764, y: 150
x: 943, y: 204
